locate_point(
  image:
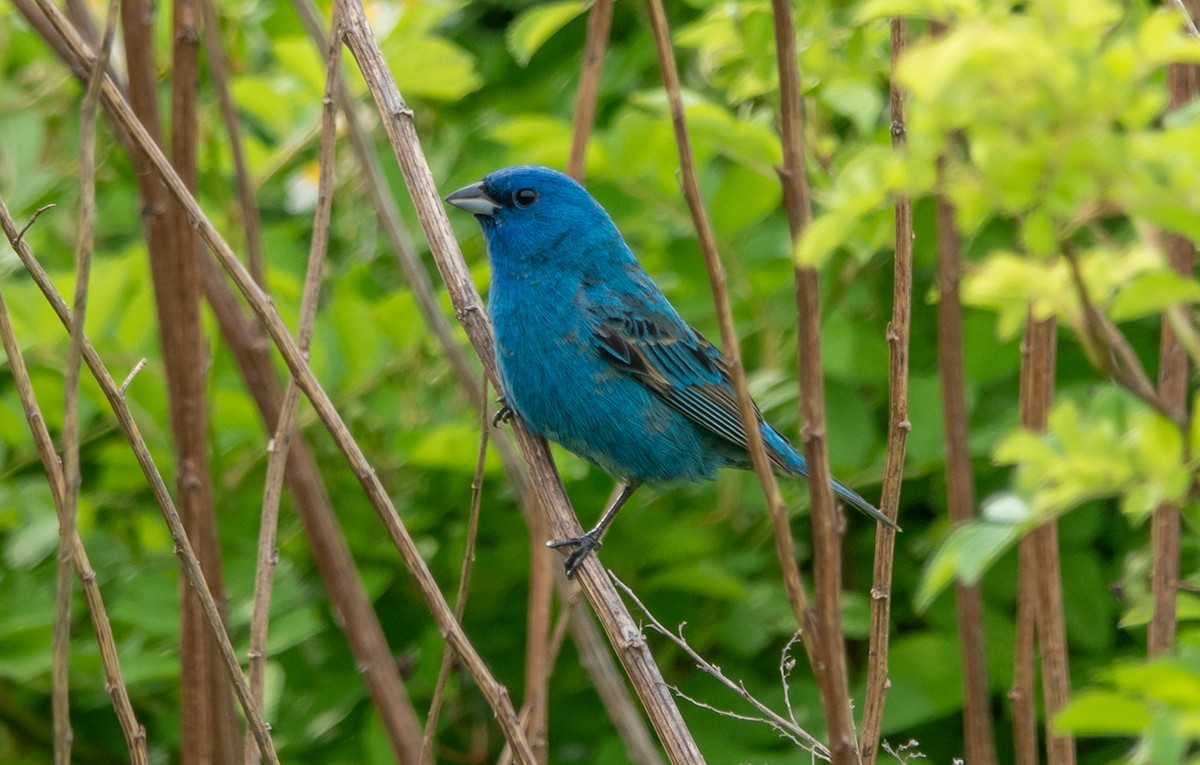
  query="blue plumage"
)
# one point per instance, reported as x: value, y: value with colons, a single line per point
x: 591, y: 353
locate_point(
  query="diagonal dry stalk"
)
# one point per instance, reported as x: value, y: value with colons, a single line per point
x: 1183, y: 82
x: 898, y: 425
x: 279, y: 446
x: 67, y: 536
x: 776, y: 508
x: 116, y: 399
x: 617, y: 623
x: 135, y: 734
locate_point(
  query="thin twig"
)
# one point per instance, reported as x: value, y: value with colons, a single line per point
x: 898, y: 426
x: 1111, y: 351
x: 84, y: 246
x: 280, y: 443
x: 464, y: 581
x: 822, y: 625
x: 36, y: 214
x: 132, y: 374
x: 183, y: 547
x: 218, y: 70
x: 599, y: 23
x: 776, y: 720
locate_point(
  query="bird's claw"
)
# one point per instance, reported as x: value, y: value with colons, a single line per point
x: 504, y: 414
x: 584, y: 545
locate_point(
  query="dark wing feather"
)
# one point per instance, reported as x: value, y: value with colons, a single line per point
x: 682, y: 368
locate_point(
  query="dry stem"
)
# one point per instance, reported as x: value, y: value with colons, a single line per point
x: 898, y: 427
x: 135, y: 734
x: 464, y: 583
x: 825, y: 642
x: 960, y: 489
x: 63, y: 734
x: 280, y: 442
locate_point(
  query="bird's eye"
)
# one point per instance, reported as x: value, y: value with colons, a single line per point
x: 525, y: 197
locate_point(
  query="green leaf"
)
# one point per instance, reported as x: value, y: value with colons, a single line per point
x: 1150, y: 293
x: 530, y: 30
x: 432, y: 67
x: 965, y: 555
x: 1102, y: 713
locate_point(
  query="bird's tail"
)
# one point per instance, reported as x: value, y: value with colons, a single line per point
x: 852, y: 497
x: 786, y: 456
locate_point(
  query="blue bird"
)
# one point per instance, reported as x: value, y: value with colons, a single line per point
x: 591, y: 355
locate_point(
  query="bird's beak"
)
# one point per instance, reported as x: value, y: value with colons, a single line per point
x: 474, y: 200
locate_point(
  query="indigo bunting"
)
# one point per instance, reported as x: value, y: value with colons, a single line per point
x: 591, y: 355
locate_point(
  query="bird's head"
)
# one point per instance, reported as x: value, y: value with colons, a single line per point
x: 532, y: 214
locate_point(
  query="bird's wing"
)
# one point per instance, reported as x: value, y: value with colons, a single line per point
x: 680, y: 366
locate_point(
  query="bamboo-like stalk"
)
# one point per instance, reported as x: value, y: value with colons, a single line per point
x: 210, y: 731
x: 1040, y: 562
x: 960, y: 502
x: 280, y: 441
x: 1183, y: 82
x: 116, y: 399
x: 898, y: 426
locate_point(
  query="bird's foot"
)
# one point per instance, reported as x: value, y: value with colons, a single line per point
x: 504, y: 414
x: 584, y: 545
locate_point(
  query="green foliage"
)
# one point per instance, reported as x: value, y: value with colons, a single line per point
x: 1158, y: 702
x: 1050, y: 114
